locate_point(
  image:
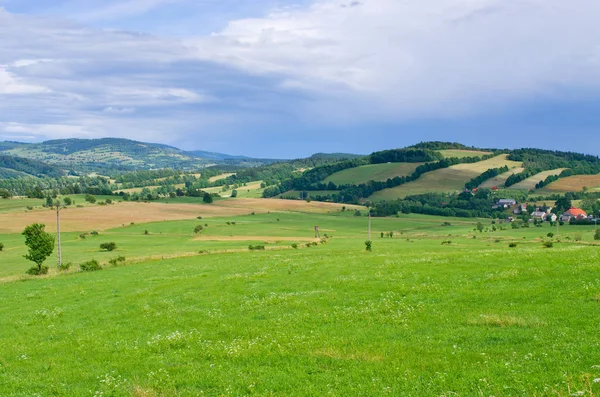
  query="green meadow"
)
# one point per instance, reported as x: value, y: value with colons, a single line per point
x: 437, y: 309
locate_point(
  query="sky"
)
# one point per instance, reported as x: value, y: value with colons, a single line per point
x: 288, y: 78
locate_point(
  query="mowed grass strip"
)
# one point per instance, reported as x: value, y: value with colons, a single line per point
x: 406, y: 320
x: 574, y: 183
x: 529, y: 183
x: 444, y: 180
x: 372, y: 172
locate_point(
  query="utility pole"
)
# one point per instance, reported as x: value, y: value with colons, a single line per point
x: 58, y: 208
x: 491, y: 223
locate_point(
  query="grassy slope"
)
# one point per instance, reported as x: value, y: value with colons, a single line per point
x: 574, y: 183
x: 444, y: 180
x: 530, y: 183
x: 500, y: 179
x: 435, y: 320
x: 463, y: 153
x: 372, y: 172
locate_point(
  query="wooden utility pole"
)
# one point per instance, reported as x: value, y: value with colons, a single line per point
x: 369, y: 224
x: 58, y: 208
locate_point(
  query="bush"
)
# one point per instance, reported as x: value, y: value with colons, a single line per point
x: 548, y: 244
x: 369, y: 245
x: 90, y: 199
x: 198, y: 229
x: 35, y: 271
x: 550, y: 234
x: 94, y: 233
x: 108, y: 201
x: 446, y: 242
x: 198, y: 217
x: 146, y: 232
x: 597, y: 235
x: 256, y: 247
x: 116, y: 261
x: 65, y: 266
x: 108, y: 246
x: 90, y: 266
x: 357, y: 213
x: 512, y: 245
x: 1, y: 247
x: 294, y: 246
x: 446, y: 224
x: 578, y: 237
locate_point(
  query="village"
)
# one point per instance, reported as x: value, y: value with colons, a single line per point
x: 543, y: 213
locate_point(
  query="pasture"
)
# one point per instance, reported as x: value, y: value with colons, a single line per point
x: 437, y: 309
x: 450, y: 179
x: 372, y: 172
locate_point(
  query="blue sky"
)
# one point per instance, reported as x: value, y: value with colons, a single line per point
x: 285, y: 78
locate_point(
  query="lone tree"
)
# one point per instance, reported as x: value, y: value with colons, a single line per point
x: 41, y: 245
x: 108, y: 246
x: 207, y: 198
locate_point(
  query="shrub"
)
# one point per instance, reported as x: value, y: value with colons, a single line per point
x: 257, y: 247
x: 577, y: 237
x: 116, y: 261
x: 68, y: 201
x: 198, y: 229
x: 597, y: 235
x: 550, y: 234
x: 198, y: 217
x: 512, y: 245
x: 29, y: 207
x: 446, y: 242
x: 203, y: 252
x: 295, y: 246
x: 357, y: 213
x: 548, y: 244
x: 1, y: 247
x: 446, y: 224
x: 382, y: 234
x: 64, y: 267
x: 90, y: 266
x: 308, y: 245
x: 146, y: 232
x: 90, y: 199
x: 94, y: 233
x: 108, y: 246
x: 36, y: 271
x: 314, y: 244
x: 369, y: 245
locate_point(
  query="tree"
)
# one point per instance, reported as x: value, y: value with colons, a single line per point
x: 41, y: 245
x: 479, y: 227
x: 562, y: 205
x: 5, y: 193
x: 68, y: 201
x: 1, y: 247
x: 108, y: 246
x: 597, y: 235
x: 90, y: 199
x: 234, y: 193
x: 207, y: 198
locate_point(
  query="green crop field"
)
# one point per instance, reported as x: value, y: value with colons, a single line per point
x: 438, y: 309
x: 372, y: 172
x: 529, y: 183
x: 450, y: 179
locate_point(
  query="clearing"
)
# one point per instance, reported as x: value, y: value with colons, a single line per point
x: 372, y: 172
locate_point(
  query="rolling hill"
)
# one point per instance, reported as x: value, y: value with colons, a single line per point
x: 372, y: 172
x: 17, y: 167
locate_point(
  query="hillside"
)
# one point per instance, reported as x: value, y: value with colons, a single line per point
x: 15, y: 167
x: 372, y: 172
x: 107, y: 153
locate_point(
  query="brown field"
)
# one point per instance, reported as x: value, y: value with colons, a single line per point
x: 574, y: 183
x: 139, y: 189
x: 107, y: 217
x: 219, y: 177
x: 529, y: 183
x: 266, y: 239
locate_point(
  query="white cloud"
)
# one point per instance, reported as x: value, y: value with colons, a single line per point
x: 9, y: 84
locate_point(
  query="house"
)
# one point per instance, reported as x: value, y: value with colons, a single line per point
x: 494, y: 188
x: 520, y: 208
x: 576, y: 213
x: 552, y: 217
x: 539, y: 215
x: 506, y: 203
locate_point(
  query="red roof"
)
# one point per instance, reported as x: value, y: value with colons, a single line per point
x: 495, y: 188
x: 575, y: 212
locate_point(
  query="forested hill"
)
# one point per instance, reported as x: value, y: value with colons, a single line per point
x: 85, y: 155
x: 15, y: 167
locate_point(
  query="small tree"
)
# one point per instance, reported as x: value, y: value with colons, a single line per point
x: 369, y: 245
x: 207, y: 198
x: 40, y: 244
x: 596, y: 235
x: 5, y: 194
x: 234, y: 193
x: 108, y: 246
x: 1, y: 247
x: 479, y: 227
x: 67, y: 201
x: 90, y: 199
x: 198, y: 229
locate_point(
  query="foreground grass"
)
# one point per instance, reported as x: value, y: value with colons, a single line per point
x: 329, y: 319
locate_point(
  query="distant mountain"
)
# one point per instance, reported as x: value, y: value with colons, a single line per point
x: 16, y: 167
x: 105, y: 154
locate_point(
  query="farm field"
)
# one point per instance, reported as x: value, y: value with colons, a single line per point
x: 500, y: 179
x: 463, y: 153
x: 219, y: 177
x: 415, y: 317
x: 251, y: 190
x: 574, y: 183
x: 372, y: 172
x: 444, y: 180
x: 529, y: 183
x: 294, y: 194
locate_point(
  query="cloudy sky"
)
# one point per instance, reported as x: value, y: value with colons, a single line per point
x: 287, y: 78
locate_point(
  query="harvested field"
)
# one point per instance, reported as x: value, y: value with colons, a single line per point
x: 574, y: 183
x: 219, y: 177
x: 500, y: 179
x: 463, y: 153
x: 258, y: 204
x: 529, y: 183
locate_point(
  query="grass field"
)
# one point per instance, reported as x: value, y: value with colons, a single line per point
x: 500, y: 179
x: 372, y: 172
x: 463, y: 153
x: 574, y: 183
x: 415, y: 317
x: 444, y: 180
x: 529, y: 183
x: 251, y: 190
